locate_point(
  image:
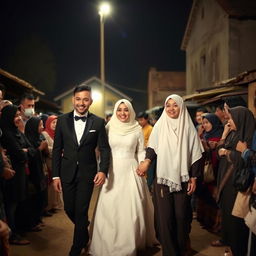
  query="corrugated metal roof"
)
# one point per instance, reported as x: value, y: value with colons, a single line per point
x: 20, y: 81
x: 230, y: 87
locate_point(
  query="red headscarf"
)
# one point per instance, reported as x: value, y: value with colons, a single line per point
x: 48, y: 128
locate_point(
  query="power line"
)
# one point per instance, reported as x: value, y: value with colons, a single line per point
x: 128, y: 88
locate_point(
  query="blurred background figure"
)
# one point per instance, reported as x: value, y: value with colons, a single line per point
x: 108, y: 116
x: 55, y: 201
x: 44, y: 118
x: 18, y: 149
x: 208, y: 213
x: 220, y: 113
x: 38, y: 175
x: 3, y: 102
x: 27, y: 109
x: 142, y: 118
x: 199, y: 119
x: 143, y: 121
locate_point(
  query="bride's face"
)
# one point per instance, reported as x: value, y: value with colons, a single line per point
x: 123, y: 113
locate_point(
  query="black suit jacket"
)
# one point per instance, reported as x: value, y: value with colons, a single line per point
x: 67, y: 154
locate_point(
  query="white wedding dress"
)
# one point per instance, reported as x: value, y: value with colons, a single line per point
x: 124, y: 220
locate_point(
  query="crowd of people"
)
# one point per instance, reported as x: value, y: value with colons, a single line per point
x: 154, y: 178
x: 226, y: 135
x: 26, y: 194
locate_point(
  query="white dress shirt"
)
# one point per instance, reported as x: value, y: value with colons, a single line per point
x: 79, y: 126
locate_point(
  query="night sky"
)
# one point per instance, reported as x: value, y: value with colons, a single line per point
x: 55, y: 44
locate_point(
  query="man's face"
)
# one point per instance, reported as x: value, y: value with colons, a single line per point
x: 27, y: 103
x: 82, y: 102
x: 220, y: 113
x: 199, y: 118
x: 142, y: 121
x: 28, y: 108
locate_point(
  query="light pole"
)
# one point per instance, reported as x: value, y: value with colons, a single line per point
x: 104, y: 10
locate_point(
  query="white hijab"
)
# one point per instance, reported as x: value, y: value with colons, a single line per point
x: 177, y: 146
x: 123, y: 128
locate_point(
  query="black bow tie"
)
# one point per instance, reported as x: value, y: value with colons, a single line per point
x: 83, y: 118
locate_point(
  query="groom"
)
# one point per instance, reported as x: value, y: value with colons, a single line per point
x: 74, y: 164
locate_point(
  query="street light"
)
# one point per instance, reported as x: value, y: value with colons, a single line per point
x: 104, y: 10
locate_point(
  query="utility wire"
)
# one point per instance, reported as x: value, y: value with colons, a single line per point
x: 128, y: 88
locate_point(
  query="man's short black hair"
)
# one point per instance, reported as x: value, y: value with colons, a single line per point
x: 202, y: 109
x: 220, y: 104
x: 81, y: 88
x: 142, y: 115
x: 28, y: 96
x: 109, y: 115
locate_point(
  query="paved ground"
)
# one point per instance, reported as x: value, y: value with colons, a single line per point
x: 56, y: 238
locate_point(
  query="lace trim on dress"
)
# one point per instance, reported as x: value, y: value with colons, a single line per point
x: 173, y: 187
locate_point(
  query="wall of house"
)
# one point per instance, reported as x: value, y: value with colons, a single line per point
x: 207, y: 48
x: 242, y: 42
x: 163, y: 83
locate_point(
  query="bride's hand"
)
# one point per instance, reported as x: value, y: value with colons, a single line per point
x: 143, y: 167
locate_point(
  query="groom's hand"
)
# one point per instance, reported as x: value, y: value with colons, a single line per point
x: 99, y: 178
x: 57, y: 185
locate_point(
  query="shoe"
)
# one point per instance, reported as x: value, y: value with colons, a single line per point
x: 217, y: 243
x: 18, y: 240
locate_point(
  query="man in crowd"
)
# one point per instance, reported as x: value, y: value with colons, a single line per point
x: 27, y: 108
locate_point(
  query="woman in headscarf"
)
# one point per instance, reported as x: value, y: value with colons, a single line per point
x: 208, y: 213
x: 123, y: 221
x: 240, y: 127
x: 175, y: 143
x: 55, y: 201
x: 18, y: 150
x: 249, y: 156
x: 37, y: 177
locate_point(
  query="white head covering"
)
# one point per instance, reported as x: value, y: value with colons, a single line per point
x: 123, y: 128
x: 177, y: 146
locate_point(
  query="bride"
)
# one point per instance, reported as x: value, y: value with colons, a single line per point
x: 123, y: 221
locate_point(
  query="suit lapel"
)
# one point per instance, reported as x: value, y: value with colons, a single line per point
x: 70, y: 123
x: 88, y: 126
